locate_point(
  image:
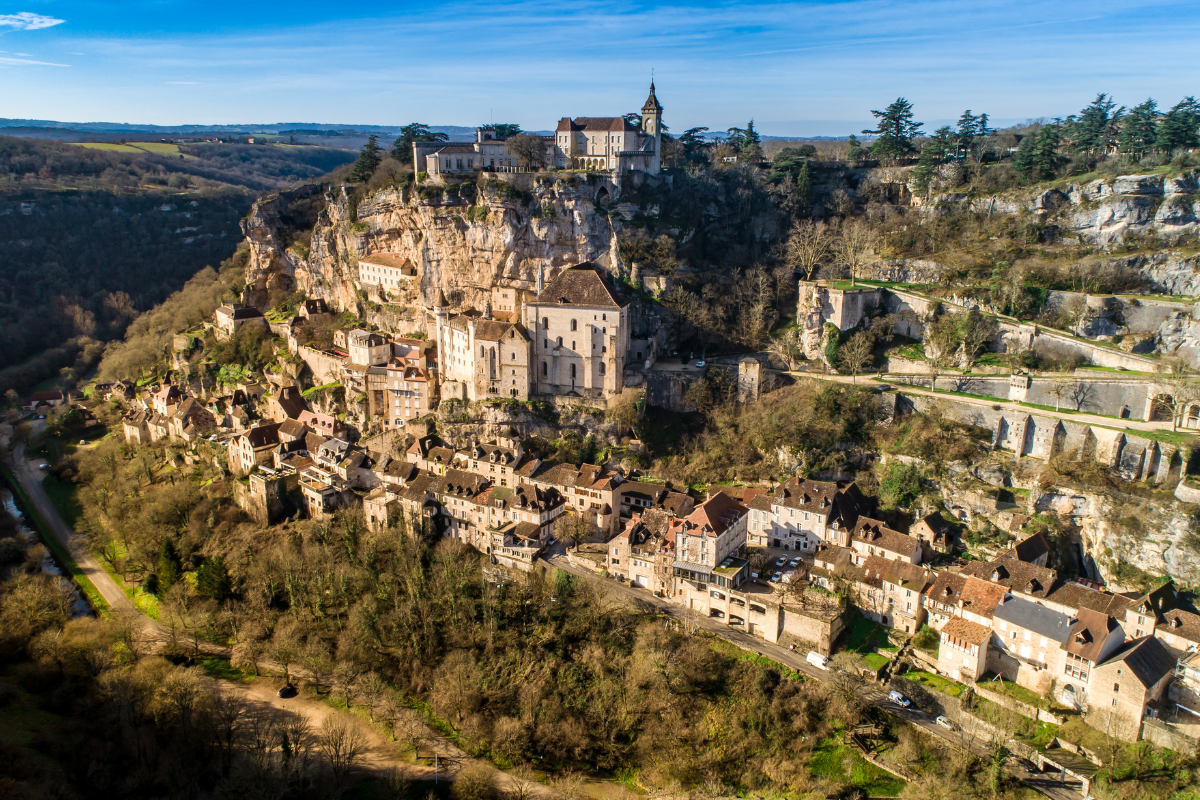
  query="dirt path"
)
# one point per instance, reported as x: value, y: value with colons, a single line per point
x: 381, y: 757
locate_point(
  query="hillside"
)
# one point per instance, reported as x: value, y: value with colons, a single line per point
x: 92, y: 236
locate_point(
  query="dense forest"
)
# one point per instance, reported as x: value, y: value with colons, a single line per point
x: 89, y: 238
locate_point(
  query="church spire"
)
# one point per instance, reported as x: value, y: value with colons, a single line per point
x: 651, y: 105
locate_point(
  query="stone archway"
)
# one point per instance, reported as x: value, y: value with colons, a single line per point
x: 602, y: 197
x: 1162, y: 408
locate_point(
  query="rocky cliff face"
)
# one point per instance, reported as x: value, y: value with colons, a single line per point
x: 1107, y: 210
x: 505, y: 235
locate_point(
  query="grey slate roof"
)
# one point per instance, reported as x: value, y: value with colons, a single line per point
x: 1148, y: 659
x: 1034, y: 617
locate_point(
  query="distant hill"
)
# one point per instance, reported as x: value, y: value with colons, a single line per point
x: 92, y: 234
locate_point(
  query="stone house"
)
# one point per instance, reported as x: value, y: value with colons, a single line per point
x: 636, y: 497
x: 1094, y: 636
x: 589, y: 491
x: 255, y: 446
x: 644, y: 551
x: 386, y: 271
x: 963, y: 651
x: 713, y: 532
x: 935, y: 534
x: 480, y: 358
x: 797, y: 514
x: 1126, y: 684
x: 904, y: 586
x: 952, y: 596
x: 579, y: 327
x: 134, y: 426
x: 1028, y: 644
x: 870, y: 537
x: 165, y: 399
x: 611, y: 143
x: 456, y: 492
x: 231, y: 317
x: 286, y: 403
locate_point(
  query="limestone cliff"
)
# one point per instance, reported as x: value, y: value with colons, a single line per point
x: 462, y: 240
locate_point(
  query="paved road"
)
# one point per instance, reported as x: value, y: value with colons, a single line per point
x: 30, y: 476
x: 795, y: 659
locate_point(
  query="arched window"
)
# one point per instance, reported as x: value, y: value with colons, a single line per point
x: 513, y: 356
x: 560, y: 341
x: 601, y: 367
x: 545, y: 369
x: 546, y: 323
x: 482, y: 351
x: 572, y: 372
x: 574, y: 325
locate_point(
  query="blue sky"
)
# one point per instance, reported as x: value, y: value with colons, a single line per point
x: 797, y: 68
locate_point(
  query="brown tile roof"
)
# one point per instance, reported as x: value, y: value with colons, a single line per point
x: 582, y: 285
x: 908, y: 576
x: 966, y: 631
x: 293, y: 428
x: 1018, y: 576
x: 1088, y: 634
x: 1148, y: 659
x: 806, y: 495
x: 714, y: 516
x: 1030, y: 548
x: 493, y: 330
x: 263, y: 435
x: 874, y: 533
x: 1077, y: 596
x: 978, y: 597
x: 1183, y: 624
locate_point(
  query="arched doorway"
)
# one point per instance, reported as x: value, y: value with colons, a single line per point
x: 1162, y: 408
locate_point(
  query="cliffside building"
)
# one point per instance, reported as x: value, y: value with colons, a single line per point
x: 579, y: 326
x: 610, y: 144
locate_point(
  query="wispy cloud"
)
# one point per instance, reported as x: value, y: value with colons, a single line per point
x: 28, y: 21
x: 13, y: 62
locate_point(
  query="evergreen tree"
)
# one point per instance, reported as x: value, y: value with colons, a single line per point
x: 896, y: 130
x: 1140, y: 132
x: 1037, y: 156
x: 854, y: 150
x: 932, y: 155
x: 751, y: 148
x: 501, y: 130
x: 414, y: 132
x: 367, y: 161
x: 971, y: 128
x: 694, y: 146
x: 1094, y: 131
x: 804, y: 187
x: 212, y: 579
x: 1178, y: 127
x: 170, y: 568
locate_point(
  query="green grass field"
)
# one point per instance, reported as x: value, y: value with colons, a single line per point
x: 158, y: 148
x: 936, y: 682
x: 833, y: 759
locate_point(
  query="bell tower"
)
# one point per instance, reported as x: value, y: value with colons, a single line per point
x: 652, y: 127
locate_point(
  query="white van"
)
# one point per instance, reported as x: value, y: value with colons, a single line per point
x: 817, y: 660
x: 899, y: 699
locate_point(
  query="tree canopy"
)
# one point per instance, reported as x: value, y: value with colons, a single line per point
x: 410, y: 134
x: 896, y: 130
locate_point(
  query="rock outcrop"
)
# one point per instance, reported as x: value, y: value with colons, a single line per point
x: 462, y: 241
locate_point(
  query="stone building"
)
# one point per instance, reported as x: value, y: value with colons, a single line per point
x: 612, y: 143
x: 481, y: 358
x: 1126, y: 683
x: 579, y: 325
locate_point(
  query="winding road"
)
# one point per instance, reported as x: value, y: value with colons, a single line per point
x: 795, y: 659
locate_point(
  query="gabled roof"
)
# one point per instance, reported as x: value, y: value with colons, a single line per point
x: 1035, y: 618
x: 1077, y: 596
x: 714, y: 516
x: 966, y: 631
x: 1029, y: 549
x: 874, y: 533
x: 1088, y: 634
x: 263, y: 436
x: 908, y: 576
x: 1148, y: 660
x: 1183, y: 624
x: 596, y: 124
x: 582, y: 285
x: 1018, y: 576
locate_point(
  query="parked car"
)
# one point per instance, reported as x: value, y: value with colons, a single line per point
x: 776, y: 578
x: 817, y: 660
x: 945, y: 723
x: 700, y: 364
x: 287, y: 691
x: 782, y: 560
x: 899, y: 699
x: 795, y: 562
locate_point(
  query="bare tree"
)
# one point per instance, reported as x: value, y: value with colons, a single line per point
x: 529, y: 149
x: 809, y: 243
x: 975, y: 331
x: 1060, y: 388
x: 856, y: 247
x: 788, y: 346
x: 856, y: 353
x: 342, y: 744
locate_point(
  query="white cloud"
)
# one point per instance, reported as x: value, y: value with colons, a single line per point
x: 28, y: 21
x: 12, y: 62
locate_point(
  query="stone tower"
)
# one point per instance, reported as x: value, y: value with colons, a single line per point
x: 652, y: 126
x: 749, y: 383
x: 441, y: 311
